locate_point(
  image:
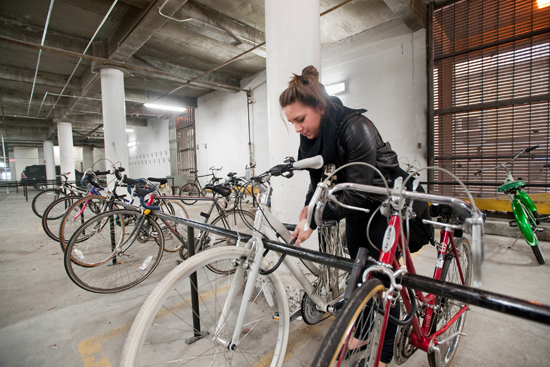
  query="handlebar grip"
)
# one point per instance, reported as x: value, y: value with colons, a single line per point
x: 531, y: 148
x: 98, y: 173
x: 118, y: 175
x: 477, y: 173
x: 311, y: 207
x: 477, y: 254
x: 313, y: 162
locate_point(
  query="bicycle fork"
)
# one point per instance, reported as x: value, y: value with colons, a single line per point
x: 256, y: 247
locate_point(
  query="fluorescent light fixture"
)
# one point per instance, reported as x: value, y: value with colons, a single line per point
x: 335, y: 88
x: 543, y: 3
x: 132, y: 144
x: 129, y: 130
x: 165, y: 107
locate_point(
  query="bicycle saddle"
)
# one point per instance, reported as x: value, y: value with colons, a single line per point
x: 161, y: 181
x: 223, y: 190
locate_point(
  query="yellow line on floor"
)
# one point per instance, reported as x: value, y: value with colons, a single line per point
x: 91, y: 349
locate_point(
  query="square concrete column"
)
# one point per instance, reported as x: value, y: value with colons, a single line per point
x: 293, y: 42
x: 49, y: 160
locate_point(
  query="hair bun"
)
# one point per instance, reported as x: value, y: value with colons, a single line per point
x: 310, y: 71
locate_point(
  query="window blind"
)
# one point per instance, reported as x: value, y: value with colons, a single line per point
x: 491, y: 81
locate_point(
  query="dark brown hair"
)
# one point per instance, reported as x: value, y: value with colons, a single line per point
x: 305, y: 89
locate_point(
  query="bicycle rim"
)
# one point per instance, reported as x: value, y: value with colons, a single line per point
x: 354, y: 337
x: 446, y: 308
x: 117, y: 255
x: 159, y: 334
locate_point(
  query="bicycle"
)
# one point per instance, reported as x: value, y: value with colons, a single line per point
x: 431, y: 322
x: 241, y: 317
x: 59, y: 208
x: 118, y: 249
x: 195, y: 188
x: 230, y: 217
x: 88, y: 206
x: 525, y: 212
x: 44, y: 198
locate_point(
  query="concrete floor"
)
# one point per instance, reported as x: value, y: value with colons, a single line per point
x: 46, y: 320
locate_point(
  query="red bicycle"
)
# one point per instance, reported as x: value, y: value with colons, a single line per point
x: 428, y: 322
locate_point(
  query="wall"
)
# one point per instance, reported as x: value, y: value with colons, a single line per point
x: 385, y: 72
x: 151, y: 156
x: 221, y: 121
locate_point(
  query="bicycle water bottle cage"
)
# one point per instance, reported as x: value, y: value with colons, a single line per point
x: 509, y: 186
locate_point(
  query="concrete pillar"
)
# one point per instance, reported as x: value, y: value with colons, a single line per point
x: 293, y: 42
x: 49, y: 160
x: 114, y: 118
x: 88, y: 158
x: 66, y: 153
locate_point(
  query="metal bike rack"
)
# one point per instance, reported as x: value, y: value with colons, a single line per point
x: 528, y: 310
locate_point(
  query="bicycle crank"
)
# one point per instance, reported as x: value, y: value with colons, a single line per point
x: 310, y: 313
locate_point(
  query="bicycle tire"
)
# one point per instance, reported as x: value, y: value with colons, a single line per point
x: 236, y: 220
x: 175, y: 234
x: 189, y: 189
x: 527, y: 224
x: 358, y: 318
x: 445, y: 309
x: 43, y: 199
x: 54, y: 213
x: 163, y: 323
x: 76, y: 216
x: 101, y: 265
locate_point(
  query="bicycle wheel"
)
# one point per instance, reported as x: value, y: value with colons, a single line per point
x: 236, y: 220
x: 189, y: 189
x: 43, y: 199
x: 174, y: 233
x: 123, y: 248
x: 353, y: 338
x: 54, y: 213
x: 82, y: 210
x: 527, y: 225
x: 163, y: 326
x: 445, y: 309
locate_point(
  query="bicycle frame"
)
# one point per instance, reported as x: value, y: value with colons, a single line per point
x: 256, y: 247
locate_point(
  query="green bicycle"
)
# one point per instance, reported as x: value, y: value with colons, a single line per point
x: 523, y: 208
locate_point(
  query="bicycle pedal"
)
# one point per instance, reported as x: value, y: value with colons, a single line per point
x: 293, y: 316
x: 206, y: 215
x: 513, y: 223
x: 179, y: 262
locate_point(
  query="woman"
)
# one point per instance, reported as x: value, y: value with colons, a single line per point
x: 341, y: 135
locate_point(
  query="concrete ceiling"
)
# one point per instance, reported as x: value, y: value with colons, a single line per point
x: 174, y: 49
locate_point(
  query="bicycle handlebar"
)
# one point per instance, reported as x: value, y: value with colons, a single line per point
x: 475, y: 222
x: 532, y: 148
x: 142, y: 187
x: 503, y: 165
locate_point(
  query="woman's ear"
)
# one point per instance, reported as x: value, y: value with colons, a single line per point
x: 322, y: 109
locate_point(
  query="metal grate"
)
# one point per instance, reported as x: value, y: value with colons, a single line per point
x: 185, y: 132
x: 491, y: 81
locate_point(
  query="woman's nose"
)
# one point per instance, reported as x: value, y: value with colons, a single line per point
x: 298, y: 127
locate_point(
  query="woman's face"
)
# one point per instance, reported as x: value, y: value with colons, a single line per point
x: 306, y: 120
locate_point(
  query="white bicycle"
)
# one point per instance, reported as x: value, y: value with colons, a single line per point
x: 239, y: 317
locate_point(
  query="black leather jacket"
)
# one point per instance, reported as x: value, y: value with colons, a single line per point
x: 357, y: 140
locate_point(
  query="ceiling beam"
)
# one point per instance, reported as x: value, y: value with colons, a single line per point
x: 411, y: 12
x: 213, y: 24
x: 143, y: 27
x: 16, y: 74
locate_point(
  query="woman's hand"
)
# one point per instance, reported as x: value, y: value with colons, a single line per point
x: 299, y: 234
